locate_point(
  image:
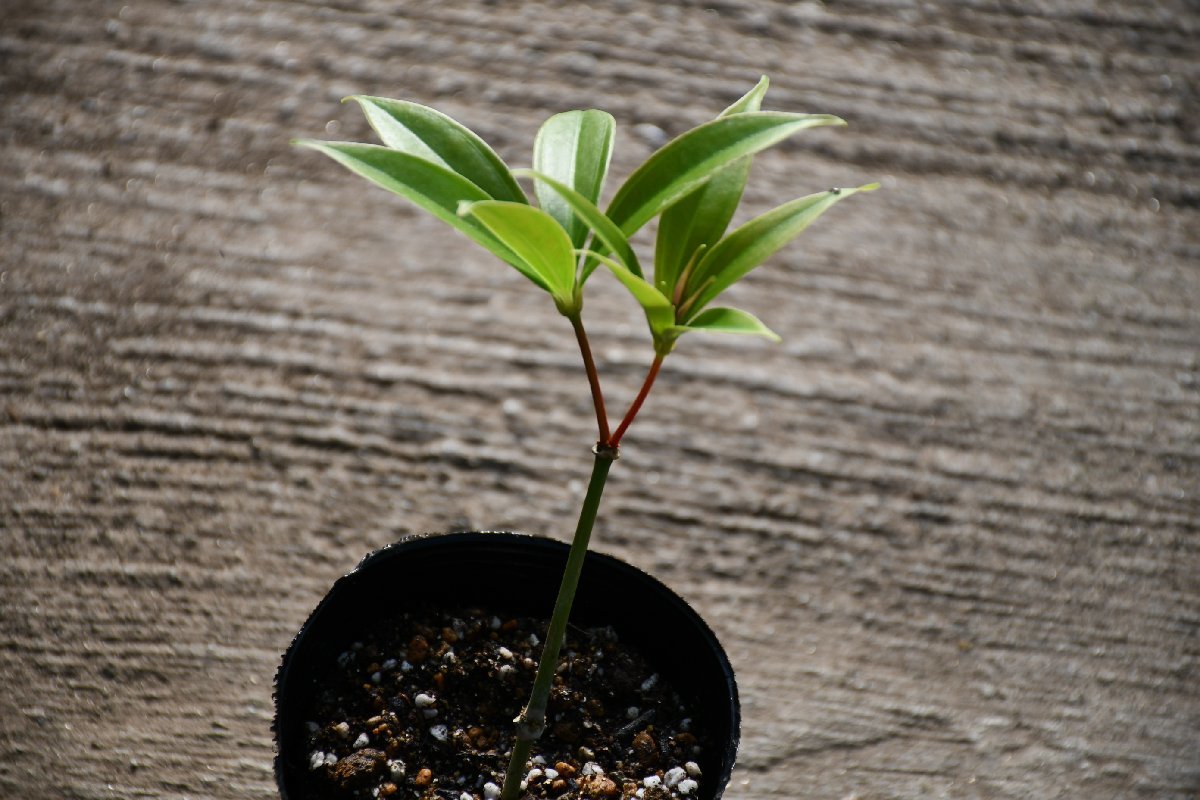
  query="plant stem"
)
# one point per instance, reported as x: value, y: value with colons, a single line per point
x: 593, y: 377
x: 532, y: 720
x: 615, y: 441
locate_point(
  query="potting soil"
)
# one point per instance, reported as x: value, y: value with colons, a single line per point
x: 424, y: 708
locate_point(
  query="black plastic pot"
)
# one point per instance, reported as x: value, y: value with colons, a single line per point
x: 521, y: 574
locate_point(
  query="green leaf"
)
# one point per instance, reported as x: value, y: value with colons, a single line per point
x: 702, y: 216
x: 726, y: 320
x: 751, y: 100
x: 684, y: 163
x: 537, y: 240
x: 573, y: 148
x: 753, y: 243
x: 659, y: 311
x: 429, y: 134
x: 431, y: 186
x: 608, y: 233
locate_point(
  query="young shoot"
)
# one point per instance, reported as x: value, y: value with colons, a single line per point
x: 693, y: 185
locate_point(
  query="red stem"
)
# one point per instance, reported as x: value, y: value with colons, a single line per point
x: 615, y: 441
x: 593, y: 377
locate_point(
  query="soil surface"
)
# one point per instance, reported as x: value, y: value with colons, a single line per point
x: 424, y: 707
x: 948, y: 531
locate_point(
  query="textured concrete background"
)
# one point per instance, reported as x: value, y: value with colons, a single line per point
x: 948, y: 530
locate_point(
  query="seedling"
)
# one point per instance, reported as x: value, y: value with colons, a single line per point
x: 693, y: 185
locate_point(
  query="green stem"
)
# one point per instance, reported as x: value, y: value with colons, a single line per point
x: 532, y: 720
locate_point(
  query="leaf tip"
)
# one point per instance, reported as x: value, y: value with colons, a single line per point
x: 866, y: 187
x: 766, y: 333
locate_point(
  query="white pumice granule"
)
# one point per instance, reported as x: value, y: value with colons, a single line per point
x: 534, y: 774
x: 362, y: 741
x: 651, y: 781
x: 505, y: 652
x: 396, y: 769
x: 316, y: 760
x: 674, y: 776
x: 551, y: 774
x: 490, y: 790
x: 330, y: 759
x: 592, y: 768
x: 693, y: 769
x: 632, y: 712
x: 423, y: 700
x: 440, y: 732
x: 686, y: 786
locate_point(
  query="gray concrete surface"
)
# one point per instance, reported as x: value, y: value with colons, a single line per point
x: 948, y: 530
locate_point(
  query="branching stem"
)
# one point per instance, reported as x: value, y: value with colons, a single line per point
x: 532, y: 719
x: 589, y: 365
x: 615, y: 441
